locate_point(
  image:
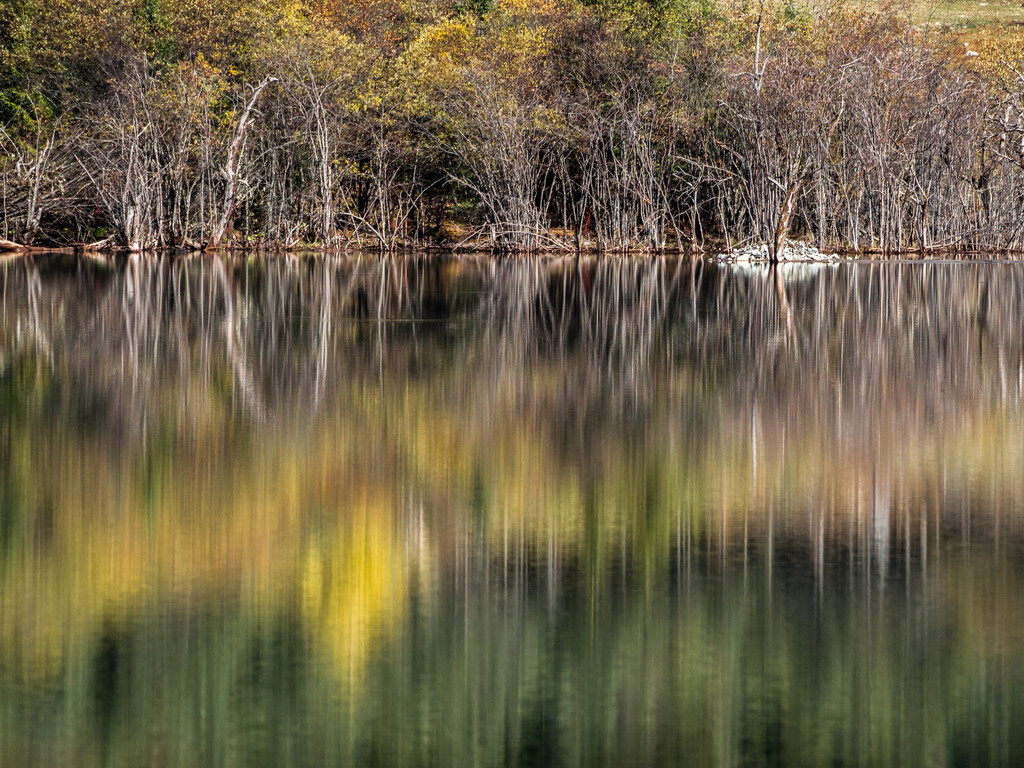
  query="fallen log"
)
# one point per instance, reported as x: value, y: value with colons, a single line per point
x: 98, y: 245
x: 10, y: 245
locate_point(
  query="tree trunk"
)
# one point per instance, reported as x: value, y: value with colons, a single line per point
x: 229, y: 172
x: 778, y: 243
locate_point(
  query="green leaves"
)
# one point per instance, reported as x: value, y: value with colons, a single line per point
x: 651, y: 20
x: 479, y: 8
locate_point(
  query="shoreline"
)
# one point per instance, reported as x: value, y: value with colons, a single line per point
x: 716, y: 251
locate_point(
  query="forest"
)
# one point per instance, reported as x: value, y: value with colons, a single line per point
x: 513, y: 126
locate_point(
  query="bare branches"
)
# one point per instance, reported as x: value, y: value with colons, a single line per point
x: 527, y: 131
x: 229, y: 171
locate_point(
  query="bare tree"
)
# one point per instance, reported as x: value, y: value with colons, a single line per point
x: 229, y: 171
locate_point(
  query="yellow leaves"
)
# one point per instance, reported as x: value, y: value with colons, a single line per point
x: 448, y: 41
x: 528, y: 8
x: 510, y: 50
x: 999, y: 53
x: 435, y: 57
x: 521, y: 34
x: 433, y: 62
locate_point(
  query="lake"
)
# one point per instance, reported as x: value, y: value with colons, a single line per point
x: 510, y: 512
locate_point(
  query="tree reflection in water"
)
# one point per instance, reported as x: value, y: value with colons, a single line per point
x: 522, y: 511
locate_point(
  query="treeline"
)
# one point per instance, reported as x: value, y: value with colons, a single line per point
x: 519, y: 125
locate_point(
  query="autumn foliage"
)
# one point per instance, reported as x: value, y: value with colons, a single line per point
x: 518, y: 125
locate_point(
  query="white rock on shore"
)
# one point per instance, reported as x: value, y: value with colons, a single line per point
x: 794, y: 251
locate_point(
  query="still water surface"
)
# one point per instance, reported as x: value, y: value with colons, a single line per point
x: 425, y: 512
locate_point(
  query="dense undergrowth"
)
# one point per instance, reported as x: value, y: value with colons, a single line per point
x: 518, y: 125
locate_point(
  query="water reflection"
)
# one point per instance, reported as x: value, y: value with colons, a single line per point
x: 487, y: 512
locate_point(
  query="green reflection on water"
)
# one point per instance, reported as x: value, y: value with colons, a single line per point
x: 419, y: 512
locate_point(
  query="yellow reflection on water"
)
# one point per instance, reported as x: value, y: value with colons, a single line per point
x: 354, y: 585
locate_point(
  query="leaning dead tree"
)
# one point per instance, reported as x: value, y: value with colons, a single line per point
x: 229, y: 172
